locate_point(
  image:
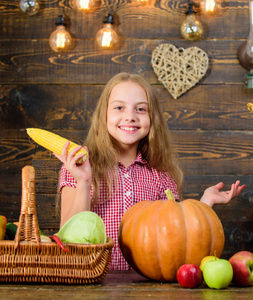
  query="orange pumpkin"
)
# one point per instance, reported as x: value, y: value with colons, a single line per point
x: 157, y: 237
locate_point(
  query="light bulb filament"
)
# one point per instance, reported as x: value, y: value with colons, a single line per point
x: 60, y: 40
x: 84, y: 4
x: 210, y: 5
x: 106, y: 39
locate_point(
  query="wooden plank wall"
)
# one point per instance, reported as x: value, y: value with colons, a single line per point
x: 211, y: 125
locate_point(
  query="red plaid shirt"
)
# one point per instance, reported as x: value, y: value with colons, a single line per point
x: 136, y: 183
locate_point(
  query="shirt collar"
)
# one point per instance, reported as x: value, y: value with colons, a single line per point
x: 139, y: 159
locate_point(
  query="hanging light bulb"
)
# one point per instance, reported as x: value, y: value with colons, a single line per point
x: 60, y: 39
x: 191, y: 28
x: 30, y: 7
x: 245, y: 52
x: 107, y: 37
x: 84, y: 5
x: 210, y: 6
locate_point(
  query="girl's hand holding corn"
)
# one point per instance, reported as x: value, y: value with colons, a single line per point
x: 81, y: 172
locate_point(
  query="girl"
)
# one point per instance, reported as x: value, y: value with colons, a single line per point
x: 131, y: 158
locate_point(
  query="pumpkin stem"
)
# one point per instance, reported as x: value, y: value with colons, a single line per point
x: 169, y: 195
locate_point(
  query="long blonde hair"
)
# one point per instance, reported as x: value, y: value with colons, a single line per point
x: 156, y: 148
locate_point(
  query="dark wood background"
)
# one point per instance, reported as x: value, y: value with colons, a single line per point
x: 211, y: 125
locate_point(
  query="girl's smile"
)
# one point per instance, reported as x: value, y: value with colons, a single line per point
x: 129, y: 128
x: 128, y: 118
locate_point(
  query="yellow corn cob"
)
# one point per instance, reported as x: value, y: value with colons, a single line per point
x: 53, y: 142
x: 250, y: 106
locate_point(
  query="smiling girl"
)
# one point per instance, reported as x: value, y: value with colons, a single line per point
x: 131, y: 159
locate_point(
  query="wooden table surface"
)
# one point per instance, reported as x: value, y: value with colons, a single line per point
x: 121, y: 285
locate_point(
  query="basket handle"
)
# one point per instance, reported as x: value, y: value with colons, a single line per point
x: 28, y: 229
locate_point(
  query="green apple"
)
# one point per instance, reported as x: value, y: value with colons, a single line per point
x: 218, y: 273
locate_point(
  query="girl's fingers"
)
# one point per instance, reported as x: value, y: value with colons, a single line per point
x: 219, y: 185
x: 237, y: 184
x: 65, y: 149
x: 76, y: 158
x: 233, y: 192
x: 240, y: 189
x: 69, y: 156
x: 70, y: 159
x: 84, y: 147
x: 58, y: 156
x: 236, y: 189
x: 74, y: 151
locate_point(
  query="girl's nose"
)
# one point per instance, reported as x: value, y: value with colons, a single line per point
x: 130, y: 117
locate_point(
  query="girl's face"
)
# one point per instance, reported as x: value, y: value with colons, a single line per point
x: 128, y: 114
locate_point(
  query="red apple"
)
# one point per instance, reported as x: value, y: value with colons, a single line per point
x: 189, y: 276
x: 242, y: 263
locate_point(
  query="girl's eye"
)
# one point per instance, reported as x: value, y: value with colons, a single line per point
x: 118, y: 107
x: 141, y: 109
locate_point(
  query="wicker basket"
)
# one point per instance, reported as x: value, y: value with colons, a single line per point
x: 26, y: 259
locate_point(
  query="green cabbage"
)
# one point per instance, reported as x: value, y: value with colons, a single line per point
x: 85, y: 227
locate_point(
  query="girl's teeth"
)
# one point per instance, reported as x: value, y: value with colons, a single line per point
x: 129, y: 129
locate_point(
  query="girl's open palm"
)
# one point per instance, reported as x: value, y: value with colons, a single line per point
x: 213, y: 195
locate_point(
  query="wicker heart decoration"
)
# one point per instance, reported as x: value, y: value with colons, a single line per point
x: 179, y: 69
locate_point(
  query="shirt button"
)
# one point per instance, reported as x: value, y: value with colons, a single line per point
x: 128, y: 193
x: 126, y: 175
